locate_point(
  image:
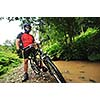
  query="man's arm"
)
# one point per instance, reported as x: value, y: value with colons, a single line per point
x: 17, y: 44
x: 18, y: 51
x: 18, y: 41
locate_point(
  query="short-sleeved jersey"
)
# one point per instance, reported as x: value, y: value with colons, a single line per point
x: 25, y: 39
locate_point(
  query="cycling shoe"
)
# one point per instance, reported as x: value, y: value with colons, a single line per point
x: 25, y: 77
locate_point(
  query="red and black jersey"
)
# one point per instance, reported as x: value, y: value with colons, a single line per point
x: 25, y: 39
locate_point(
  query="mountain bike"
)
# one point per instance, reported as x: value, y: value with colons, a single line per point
x: 37, y: 57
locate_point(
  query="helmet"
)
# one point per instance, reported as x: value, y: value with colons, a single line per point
x: 25, y: 25
x: 27, y: 28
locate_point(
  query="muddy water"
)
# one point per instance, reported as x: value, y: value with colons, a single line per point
x: 80, y: 71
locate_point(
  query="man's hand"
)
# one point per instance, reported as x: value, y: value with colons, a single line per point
x: 19, y: 53
x: 35, y: 45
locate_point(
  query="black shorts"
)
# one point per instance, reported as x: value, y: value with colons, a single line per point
x: 27, y: 53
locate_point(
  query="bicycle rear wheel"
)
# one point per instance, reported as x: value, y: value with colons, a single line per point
x: 35, y: 67
x: 54, y: 70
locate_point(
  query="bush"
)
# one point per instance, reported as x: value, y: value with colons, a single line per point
x: 87, y: 45
x: 54, y: 50
x: 94, y: 57
x: 8, y: 61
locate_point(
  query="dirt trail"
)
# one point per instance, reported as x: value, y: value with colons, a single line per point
x: 16, y: 76
x: 73, y: 72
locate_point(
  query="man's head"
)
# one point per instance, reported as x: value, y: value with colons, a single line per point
x: 27, y: 28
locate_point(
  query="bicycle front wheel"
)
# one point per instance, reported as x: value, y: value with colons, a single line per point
x: 54, y: 70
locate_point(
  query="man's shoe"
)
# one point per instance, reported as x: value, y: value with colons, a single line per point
x: 25, y: 77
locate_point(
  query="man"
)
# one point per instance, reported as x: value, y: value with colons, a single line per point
x: 23, y: 40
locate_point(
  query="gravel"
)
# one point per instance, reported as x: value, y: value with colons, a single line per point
x: 16, y: 76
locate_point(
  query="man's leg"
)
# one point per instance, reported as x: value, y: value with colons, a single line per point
x: 25, y: 70
x: 25, y: 65
x: 25, y: 54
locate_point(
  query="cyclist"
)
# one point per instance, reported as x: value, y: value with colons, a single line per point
x: 23, y: 40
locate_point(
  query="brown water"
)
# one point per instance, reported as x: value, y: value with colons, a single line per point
x: 80, y: 71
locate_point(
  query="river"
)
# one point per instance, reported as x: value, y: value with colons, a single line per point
x: 79, y: 71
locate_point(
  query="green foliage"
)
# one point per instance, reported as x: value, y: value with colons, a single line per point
x: 94, y: 57
x: 54, y: 50
x: 86, y: 46
x: 8, y: 60
x: 54, y: 46
x: 78, y: 37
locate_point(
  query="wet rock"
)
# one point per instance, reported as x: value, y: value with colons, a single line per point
x: 70, y: 79
x: 82, y: 66
x: 67, y: 72
x: 91, y: 80
x: 81, y: 77
x: 81, y: 71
